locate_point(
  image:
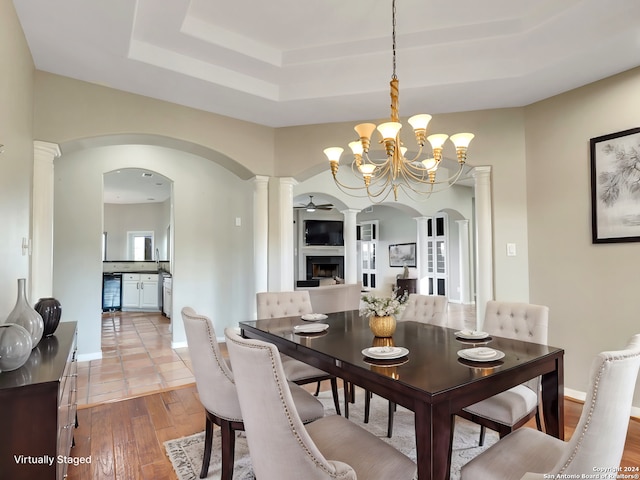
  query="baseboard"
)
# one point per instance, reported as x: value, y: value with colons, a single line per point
x: 86, y: 357
x: 182, y: 344
x: 581, y: 396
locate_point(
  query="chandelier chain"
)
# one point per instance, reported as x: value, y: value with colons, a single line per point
x: 393, y: 36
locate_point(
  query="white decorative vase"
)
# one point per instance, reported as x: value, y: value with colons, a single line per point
x: 15, y: 346
x: 25, y: 316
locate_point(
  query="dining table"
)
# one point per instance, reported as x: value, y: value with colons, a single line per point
x: 432, y: 378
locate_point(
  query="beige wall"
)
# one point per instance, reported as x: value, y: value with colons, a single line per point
x: 16, y: 125
x: 68, y: 110
x: 592, y: 290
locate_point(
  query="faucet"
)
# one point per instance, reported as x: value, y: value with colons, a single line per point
x: 157, y: 257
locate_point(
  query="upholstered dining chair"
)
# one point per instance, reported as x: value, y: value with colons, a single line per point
x: 288, y: 304
x: 335, y: 298
x: 511, y: 409
x: 597, y: 442
x: 430, y: 309
x: 217, y: 391
x: 285, y: 449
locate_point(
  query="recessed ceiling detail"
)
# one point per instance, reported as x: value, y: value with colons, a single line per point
x: 287, y: 62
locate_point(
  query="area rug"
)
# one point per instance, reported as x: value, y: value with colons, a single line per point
x: 186, y: 453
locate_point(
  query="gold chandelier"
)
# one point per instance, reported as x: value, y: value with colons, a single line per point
x: 380, y: 177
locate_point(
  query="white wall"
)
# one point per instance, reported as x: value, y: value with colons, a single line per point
x: 122, y: 218
x: 212, y: 264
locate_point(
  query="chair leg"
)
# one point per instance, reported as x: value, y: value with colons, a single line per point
x: 483, y: 430
x: 317, y: 390
x: 208, y: 440
x: 392, y: 409
x: 347, y: 386
x: 538, y: 422
x: 228, y: 449
x: 334, y: 390
x: 367, y: 405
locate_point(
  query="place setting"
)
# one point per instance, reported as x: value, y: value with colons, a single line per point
x: 389, y: 356
x: 480, y: 357
x: 473, y: 337
x: 314, y: 317
x: 311, y: 329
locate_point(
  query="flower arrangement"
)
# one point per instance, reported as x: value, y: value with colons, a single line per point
x: 383, y: 306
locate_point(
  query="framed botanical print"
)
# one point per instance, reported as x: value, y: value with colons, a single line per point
x: 615, y: 187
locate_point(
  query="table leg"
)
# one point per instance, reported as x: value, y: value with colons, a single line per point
x: 434, y: 437
x: 553, y: 400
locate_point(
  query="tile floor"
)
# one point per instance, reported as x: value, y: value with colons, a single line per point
x: 137, y: 357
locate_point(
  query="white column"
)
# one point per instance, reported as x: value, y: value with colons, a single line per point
x: 465, y: 262
x: 421, y: 251
x: 42, y: 217
x: 261, y: 232
x: 484, y: 241
x: 350, y: 246
x: 281, y: 242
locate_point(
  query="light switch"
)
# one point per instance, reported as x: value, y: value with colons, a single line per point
x: 511, y: 249
x: 238, y: 221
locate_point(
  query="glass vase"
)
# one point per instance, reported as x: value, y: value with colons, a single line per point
x: 15, y: 346
x: 25, y: 316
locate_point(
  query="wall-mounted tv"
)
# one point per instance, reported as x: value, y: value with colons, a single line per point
x: 323, y: 232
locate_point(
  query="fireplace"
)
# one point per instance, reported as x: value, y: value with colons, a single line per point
x: 324, y: 267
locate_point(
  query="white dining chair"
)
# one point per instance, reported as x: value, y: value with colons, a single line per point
x: 508, y: 410
x: 431, y: 309
x: 218, y: 395
x: 289, y: 304
x: 597, y: 442
x: 285, y: 449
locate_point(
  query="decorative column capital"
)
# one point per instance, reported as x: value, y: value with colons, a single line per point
x: 45, y: 150
x: 482, y: 173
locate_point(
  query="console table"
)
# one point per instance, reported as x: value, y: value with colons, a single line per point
x: 409, y: 285
x: 38, y: 411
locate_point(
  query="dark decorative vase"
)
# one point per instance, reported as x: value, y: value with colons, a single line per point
x: 50, y: 311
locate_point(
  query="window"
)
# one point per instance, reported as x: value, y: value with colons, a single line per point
x: 140, y: 246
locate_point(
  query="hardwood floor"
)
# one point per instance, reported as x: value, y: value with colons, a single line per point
x: 125, y: 438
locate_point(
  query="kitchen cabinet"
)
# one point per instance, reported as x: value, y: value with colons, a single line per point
x: 140, y: 291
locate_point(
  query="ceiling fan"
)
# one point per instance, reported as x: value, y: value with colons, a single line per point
x: 312, y: 207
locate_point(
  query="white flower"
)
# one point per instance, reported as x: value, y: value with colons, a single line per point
x: 382, y: 306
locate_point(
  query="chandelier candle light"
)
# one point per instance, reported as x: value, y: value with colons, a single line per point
x: 380, y: 177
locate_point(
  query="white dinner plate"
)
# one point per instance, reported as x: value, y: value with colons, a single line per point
x: 311, y: 328
x: 481, y: 354
x: 383, y: 353
x: 313, y: 317
x: 471, y: 334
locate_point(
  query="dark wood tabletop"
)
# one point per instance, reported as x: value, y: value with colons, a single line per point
x: 432, y: 380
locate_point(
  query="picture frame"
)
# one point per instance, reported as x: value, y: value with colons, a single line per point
x: 402, y: 254
x: 615, y: 187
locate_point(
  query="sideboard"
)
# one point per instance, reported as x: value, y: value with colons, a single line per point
x: 408, y: 285
x: 38, y: 411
